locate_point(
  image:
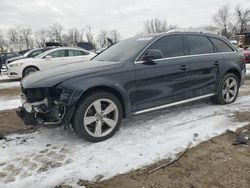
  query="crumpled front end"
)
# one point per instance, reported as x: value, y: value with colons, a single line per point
x: 43, y: 106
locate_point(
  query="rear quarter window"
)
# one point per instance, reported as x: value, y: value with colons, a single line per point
x: 199, y: 45
x: 220, y: 45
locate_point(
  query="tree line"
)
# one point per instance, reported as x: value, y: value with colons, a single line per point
x: 226, y: 21
x: 57, y: 33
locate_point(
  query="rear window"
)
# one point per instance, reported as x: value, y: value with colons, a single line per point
x: 199, y: 45
x: 220, y: 45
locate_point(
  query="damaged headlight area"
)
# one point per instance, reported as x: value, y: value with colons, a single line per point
x: 41, y: 106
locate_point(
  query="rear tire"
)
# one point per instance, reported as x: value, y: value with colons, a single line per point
x: 98, y: 116
x: 28, y: 70
x: 228, y: 90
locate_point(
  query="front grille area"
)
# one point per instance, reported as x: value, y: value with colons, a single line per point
x: 38, y: 94
x: 35, y: 94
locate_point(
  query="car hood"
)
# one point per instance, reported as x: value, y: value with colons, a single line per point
x: 14, y: 59
x: 53, y: 76
x: 25, y: 60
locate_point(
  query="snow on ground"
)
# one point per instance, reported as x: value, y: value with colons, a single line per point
x: 4, y: 77
x: 8, y: 82
x: 9, y: 104
x: 5, y: 85
x: 51, y: 156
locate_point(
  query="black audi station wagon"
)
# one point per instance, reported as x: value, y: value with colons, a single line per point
x: 134, y: 76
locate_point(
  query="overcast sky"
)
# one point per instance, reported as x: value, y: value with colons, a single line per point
x: 128, y: 16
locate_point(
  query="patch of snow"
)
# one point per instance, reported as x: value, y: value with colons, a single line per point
x: 10, y: 84
x: 248, y: 69
x: 9, y: 104
x: 4, y: 77
x: 51, y: 156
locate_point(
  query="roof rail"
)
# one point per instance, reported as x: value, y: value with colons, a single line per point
x: 191, y: 30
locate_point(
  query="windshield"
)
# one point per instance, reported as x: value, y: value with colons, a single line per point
x: 27, y: 53
x: 124, y: 50
x: 41, y: 55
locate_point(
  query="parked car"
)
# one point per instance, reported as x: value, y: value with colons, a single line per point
x: 22, y: 52
x: 247, y: 56
x: 5, y: 56
x: 51, y: 58
x: 134, y: 76
x: 29, y: 54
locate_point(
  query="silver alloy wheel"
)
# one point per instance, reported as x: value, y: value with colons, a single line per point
x: 230, y: 89
x: 101, y: 117
x: 29, y: 71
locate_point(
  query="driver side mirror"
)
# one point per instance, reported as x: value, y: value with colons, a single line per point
x: 48, y: 57
x: 152, y: 54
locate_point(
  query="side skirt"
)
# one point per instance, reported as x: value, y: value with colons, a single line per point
x: 175, y: 103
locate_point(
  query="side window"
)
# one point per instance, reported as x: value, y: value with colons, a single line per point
x: 57, y: 53
x: 171, y: 46
x: 220, y: 45
x: 199, y: 45
x: 35, y: 53
x: 77, y: 53
x: 83, y: 52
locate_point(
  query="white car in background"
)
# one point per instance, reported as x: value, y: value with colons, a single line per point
x: 51, y: 58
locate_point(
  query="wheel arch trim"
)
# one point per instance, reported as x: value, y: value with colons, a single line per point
x: 115, y: 89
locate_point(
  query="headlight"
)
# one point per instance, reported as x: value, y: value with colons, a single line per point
x: 16, y: 65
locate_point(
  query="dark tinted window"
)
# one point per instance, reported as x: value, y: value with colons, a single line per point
x: 35, y: 53
x: 171, y: 46
x: 77, y: 53
x: 199, y: 45
x: 220, y: 45
x: 58, y: 53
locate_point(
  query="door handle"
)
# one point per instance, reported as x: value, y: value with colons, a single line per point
x: 216, y: 63
x: 183, y: 67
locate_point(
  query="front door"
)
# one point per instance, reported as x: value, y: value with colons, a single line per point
x: 77, y: 56
x: 166, y: 80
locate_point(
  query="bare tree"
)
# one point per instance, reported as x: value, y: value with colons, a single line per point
x: 41, y: 36
x: 25, y: 37
x: 157, y: 26
x: 66, y: 40
x: 13, y: 35
x: 114, y: 35
x: 102, y: 39
x: 75, y: 36
x: 222, y: 20
x: 89, y: 34
x: 2, y: 41
x: 243, y: 19
x: 20, y: 35
x: 55, y: 32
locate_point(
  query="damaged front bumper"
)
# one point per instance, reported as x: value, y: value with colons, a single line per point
x: 45, y: 112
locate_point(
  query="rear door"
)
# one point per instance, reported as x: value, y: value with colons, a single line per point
x: 57, y: 58
x: 77, y: 56
x: 205, y: 65
x: 166, y: 80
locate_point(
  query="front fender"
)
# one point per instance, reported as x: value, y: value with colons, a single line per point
x: 88, y: 84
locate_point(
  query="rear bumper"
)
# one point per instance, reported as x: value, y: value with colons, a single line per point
x: 243, y: 76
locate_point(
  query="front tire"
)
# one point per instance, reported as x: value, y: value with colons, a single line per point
x: 228, y: 91
x: 28, y: 70
x: 98, y: 116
